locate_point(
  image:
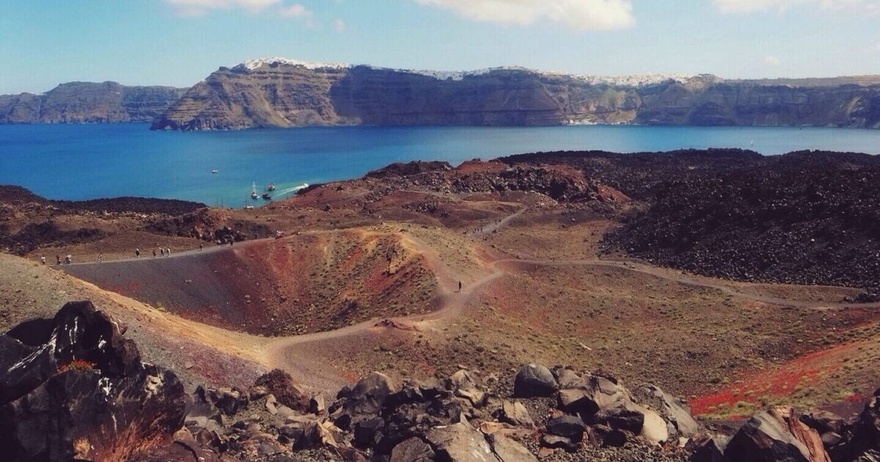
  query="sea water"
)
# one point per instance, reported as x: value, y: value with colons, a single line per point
x: 77, y: 162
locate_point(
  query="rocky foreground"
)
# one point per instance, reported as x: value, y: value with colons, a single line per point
x: 74, y: 387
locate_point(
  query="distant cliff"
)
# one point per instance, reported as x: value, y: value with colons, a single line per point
x: 84, y: 102
x: 281, y: 93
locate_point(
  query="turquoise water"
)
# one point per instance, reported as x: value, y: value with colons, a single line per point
x: 78, y: 162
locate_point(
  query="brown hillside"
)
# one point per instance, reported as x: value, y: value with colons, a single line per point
x: 368, y: 271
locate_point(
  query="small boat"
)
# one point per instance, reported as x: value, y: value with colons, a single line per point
x: 214, y: 170
x: 267, y: 197
x: 254, y: 191
x: 271, y: 187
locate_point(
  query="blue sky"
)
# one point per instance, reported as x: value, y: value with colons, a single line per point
x: 179, y: 42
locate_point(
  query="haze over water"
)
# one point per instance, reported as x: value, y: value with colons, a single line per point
x: 77, y: 162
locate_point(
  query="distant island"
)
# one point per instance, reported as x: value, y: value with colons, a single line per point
x: 87, y: 102
x: 278, y: 92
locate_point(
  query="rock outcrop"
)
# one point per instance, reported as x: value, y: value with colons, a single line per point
x: 776, y: 434
x: 74, y: 388
x: 86, y: 102
x: 279, y: 93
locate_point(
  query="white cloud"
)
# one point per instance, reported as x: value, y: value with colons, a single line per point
x: 295, y: 11
x: 748, y: 6
x: 771, y: 61
x: 202, y: 7
x: 339, y: 25
x: 578, y: 14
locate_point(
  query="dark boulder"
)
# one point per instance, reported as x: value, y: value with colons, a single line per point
x: 558, y: 442
x: 367, y: 432
x: 534, y: 380
x: 83, y: 393
x: 776, y: 435
x: 368, y: 394
x: 707, y: 449
x: 862, y: 441
x: 412, y: 450
x: 621, y: 418
x: 227, y: 400
x: 568, y: 426
x: 288, y: 393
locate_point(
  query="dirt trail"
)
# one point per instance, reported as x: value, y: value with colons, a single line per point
x: 309, y: 358
x: 675, y: 276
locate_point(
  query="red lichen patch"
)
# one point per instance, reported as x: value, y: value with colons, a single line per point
x: 804, y: 378
x: 76, y: 365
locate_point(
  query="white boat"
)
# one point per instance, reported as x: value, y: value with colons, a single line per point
x: 254, y: 194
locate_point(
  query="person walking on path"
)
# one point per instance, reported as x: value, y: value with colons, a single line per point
x: 459, y: 286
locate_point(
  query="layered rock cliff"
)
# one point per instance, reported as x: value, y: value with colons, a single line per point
x: 85, y: 102
x: 281, y: 93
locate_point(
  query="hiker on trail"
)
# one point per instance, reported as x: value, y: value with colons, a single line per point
x: 154, y: 253
x: 68, y: 259
x: 57, y: 259
x: 137, y: 253
x: 43, y: 260
x: 459, y: 286
x: 167, y: 252
x: 200, y: 246
x: 100, y: 258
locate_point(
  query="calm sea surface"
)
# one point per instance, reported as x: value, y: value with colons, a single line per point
x: 93, y: 161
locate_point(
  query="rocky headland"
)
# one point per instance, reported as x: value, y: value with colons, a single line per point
x: 86, y: 102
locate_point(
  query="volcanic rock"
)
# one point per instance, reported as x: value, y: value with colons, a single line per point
x: 670, y: 408
x: 79, y: 390
x: 776, y: 435
x: 281, y: 385
x: 412, y: 450
x: 534, y: 380
x: 862, y: 440
x: 460, y: 443
x: 568, y: 426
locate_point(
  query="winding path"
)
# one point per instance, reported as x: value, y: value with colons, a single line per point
x: 307, y: 357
